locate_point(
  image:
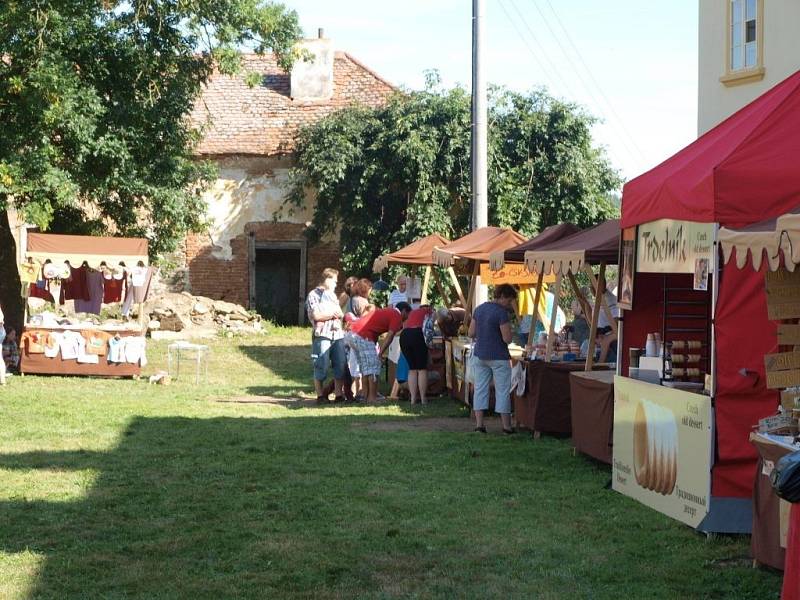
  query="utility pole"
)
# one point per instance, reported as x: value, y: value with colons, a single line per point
x: 480, y: 210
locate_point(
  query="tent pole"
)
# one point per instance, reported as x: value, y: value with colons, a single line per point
x: 426, y: 280
x: 595, y: 316
x: 553, y: 315
x: 442, y: 292
x: 609, y: 315
x: 457, y: 286
x: 578, y: 293
x: 536, y: 300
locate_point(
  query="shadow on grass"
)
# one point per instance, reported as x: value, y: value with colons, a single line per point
x: 308, y: 506
x: 221, y: 508
x: 289, y: 364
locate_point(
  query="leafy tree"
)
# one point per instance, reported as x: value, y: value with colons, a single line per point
x: 384, y: 177
x: 93, y: 101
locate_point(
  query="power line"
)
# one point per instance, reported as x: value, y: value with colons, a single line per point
x: 632, y: 148
x: 545, y: 72
x: 591, y: 76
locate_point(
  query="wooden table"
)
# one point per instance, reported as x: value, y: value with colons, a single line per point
x: 546, y: 405
x: 592, y: 408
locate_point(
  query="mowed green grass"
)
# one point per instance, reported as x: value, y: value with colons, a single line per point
x: 120, y: 489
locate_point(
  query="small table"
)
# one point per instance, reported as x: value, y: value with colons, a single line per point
x: 197, y: 352
x: 592, y: 395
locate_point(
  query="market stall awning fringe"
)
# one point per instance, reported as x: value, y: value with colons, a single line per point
x: 516, y: 254
x: 416, y: 253
x: 79, y: 248
x: 477, y: 245
x: 778, y: 239
x: 599, y: 244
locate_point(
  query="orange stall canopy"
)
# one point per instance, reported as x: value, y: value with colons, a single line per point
x: 477, y: 245
x: 416, y: 253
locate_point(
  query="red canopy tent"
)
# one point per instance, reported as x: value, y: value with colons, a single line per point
x: 741, y: 172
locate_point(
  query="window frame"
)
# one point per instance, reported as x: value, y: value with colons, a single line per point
x: 745, y: 74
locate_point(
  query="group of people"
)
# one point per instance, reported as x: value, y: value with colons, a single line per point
x: 350, y: 336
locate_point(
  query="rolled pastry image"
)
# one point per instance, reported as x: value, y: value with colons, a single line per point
x: 678, y: 345
x: 655, y: 447
x: 693, y: 358
x: 678, y: 359
x: 694, y: 345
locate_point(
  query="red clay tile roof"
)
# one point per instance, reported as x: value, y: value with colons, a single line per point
x: 264, y: 120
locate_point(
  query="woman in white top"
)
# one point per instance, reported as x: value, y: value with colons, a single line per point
x: 399, y: 295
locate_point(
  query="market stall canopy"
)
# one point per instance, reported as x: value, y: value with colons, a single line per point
x: 599, y: 244
x: 779, y: 237
x: 736, y: 174
x: 517, y: 254
x: 477, y: 245
x: 79, y: 248
x: 416, y: 253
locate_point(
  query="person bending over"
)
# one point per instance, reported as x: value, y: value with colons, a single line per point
x: 365, y: 333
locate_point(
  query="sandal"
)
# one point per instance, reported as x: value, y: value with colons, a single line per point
x: 480, y: 430
x: 511, y: 431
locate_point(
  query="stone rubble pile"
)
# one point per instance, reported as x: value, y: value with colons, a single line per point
x: 183, y: 312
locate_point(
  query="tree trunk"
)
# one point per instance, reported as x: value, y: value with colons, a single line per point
x: 10, y: 298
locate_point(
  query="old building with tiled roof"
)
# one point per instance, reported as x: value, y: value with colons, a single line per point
x: 254, y: 253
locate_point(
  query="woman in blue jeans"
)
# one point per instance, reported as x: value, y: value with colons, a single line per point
x: 491, y: 329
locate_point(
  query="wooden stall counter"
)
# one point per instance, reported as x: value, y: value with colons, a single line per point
x: 36, y: 363
x: 546, y: 405
x: 592, y: 409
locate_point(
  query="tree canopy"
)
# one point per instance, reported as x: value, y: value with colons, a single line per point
x: 384, y: 177
x: 93, y: 102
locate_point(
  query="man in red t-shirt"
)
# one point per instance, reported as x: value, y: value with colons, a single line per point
x: 365, y: 333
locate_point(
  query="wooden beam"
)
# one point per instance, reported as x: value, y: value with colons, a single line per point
x: 476, y: 271
x: 553, y: 315
x: 536, y: 300
x: 442, y: 291
x: 457, y: 286
x: 593, y: 324
x: 609, y: 315
x: 585, y: 306
x: 426, y: 280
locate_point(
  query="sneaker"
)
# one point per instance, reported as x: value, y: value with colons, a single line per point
x: 480, y: 430
x: 511, y: 431
x: 339, y: 400
x: 322, y: 399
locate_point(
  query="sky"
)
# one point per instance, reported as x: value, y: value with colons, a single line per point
x: 632, y: 64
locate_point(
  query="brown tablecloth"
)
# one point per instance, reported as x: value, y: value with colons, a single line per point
x: 765, y: 541
x: 545, y: 407
x: 592, y: 395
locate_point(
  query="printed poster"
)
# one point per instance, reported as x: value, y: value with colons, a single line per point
x: 627, y: 268
x: 663, y: 448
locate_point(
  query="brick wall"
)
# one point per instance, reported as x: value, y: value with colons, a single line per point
x: 230, y: 279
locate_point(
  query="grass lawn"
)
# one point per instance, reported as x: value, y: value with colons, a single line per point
x: 118, y: 489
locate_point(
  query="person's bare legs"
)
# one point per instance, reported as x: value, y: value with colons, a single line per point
x: 338, y: 386
x: 423, y: 385
x: 506, y: 419
x: 412, y: 385
x: 372, y: 388
x: 478, y: 418
x: 395, y: 393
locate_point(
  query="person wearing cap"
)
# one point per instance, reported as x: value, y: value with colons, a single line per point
x: 365, y: 334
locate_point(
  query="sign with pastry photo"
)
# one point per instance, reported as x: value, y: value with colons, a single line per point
x: 662, y: 448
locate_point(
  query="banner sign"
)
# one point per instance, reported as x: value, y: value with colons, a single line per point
x: 662, y: 448
x: 667, y: 246
x: 513, y: 273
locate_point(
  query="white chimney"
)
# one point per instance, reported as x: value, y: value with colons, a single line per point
x: 312, y: 79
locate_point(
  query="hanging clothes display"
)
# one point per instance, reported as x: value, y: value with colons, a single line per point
x: 113, y: 282
x: 138, y: 286
x: 94, y: 288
